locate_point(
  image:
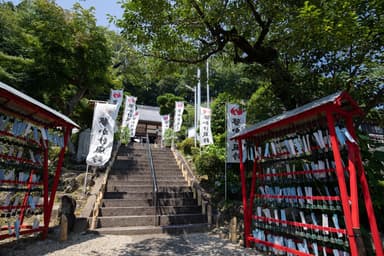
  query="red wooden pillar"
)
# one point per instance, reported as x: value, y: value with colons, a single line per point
x: 25, y: 200
x: 44, y: 144
x: 247, y: 227
x: 365, y: 189
x: 345, y: 200
x: 48, y: 209
x: 252, y: 192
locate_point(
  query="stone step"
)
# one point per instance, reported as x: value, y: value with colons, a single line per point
x: 118, y: 166
x: 149, y: 220
x: 148, y: 202
x: 147, y: 210
x: 163, y: 159
x: 168, y: 172
x: 129, y: 174
x: 145, y: 188
x: 144, y: 230
x: 162, y: 168
x: 145, y: 195
x: 142, y: 177
x: 124, y: 179
x: 161, y: 183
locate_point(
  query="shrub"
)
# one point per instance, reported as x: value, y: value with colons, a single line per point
x: 211, y: 162
x: 186, y: 146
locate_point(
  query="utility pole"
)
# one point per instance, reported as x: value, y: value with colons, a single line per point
x: 198, y: 98
x: 207, y: 84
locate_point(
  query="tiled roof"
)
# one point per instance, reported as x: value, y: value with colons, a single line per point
x: 149, y: 113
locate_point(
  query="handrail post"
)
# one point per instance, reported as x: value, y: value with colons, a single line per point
x: 154, y: 183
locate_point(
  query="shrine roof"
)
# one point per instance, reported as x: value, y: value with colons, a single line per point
x: 149, y: 113
x: 340, y: 101
x: 25, y: 107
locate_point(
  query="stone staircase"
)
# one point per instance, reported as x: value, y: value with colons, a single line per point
x: 127, y: 207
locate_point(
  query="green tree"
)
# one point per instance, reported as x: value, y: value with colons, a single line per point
x: 60, y: 56
x: 166, y: 103
x: 262, y: 105
x: 306, y: 49
x: 13, y: 61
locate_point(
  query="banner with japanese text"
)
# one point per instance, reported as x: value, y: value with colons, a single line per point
x: 205, y: 127
x: 101, y: 143
x: 132, y: 125
x: 164, y: 125
x: 116, y: 97
x: 179, y: 108
x: 236, y: 121
x: 129, y: 111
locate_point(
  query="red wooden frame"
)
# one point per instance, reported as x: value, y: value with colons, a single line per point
x: 340, y: 105
x: 21, y: 106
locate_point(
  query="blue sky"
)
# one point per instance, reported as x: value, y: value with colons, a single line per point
x: 102, y: 8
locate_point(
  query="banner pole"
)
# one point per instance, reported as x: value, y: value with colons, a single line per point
x: 85, y: 180
x: 226, y: 152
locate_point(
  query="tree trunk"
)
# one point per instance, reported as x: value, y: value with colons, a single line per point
x: 283, y: 86
x: 72, y: 103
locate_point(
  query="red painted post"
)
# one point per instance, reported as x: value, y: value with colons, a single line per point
x: 44, y: 143
x: 368, y: 205
x: 252, y: 192
x: 353, y: 176
x: 244, y: 194
x: 57, y: 177
x: 353, y: 187
x: 342, y: 184
x: 25, y: 200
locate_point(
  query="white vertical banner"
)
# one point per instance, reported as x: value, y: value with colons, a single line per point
x: 205, y: 127
x: 133, y: 123
x: 179, y: 108
x: 116, y: 97
x: 101, y: 142
x: 129, y: 110
x: 164, y: 125
x: 236, y: 120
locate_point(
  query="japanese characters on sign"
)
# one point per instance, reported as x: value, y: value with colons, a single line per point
x: 130, y: 114
x: 179, y: 108
x: 100, y: 147
x: 236, y: 118
x: 205, y: 127
x: 133, y: 123
x: 164, y: 125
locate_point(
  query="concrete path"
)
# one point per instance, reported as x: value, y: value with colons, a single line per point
x: 144, y: 245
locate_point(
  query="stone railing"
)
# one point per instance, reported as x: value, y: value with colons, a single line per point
x: 100, y: 195
x: 203, y: 198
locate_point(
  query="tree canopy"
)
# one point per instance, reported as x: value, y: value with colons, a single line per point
x: 306, y: 49
x: 54, y: 55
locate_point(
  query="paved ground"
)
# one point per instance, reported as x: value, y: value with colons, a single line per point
x: 148, y: 245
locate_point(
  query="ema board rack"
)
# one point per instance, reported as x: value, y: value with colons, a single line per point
x: 29, y: 131
x: 305, y: 166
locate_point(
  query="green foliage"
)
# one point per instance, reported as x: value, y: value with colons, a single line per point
x: 166, y: 103
x: 373, y: 159
x: 83, y: 113
x: 55, y: 56
x: 211, y: 162
x: 125, y: 136
x: 262, y: 105
x: 303, y: 49
x: 168, y: 135
x: 186, y: 146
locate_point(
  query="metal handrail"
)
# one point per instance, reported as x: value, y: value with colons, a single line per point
x: 154, y: 182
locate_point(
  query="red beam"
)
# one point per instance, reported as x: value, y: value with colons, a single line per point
x: 345, y: 202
